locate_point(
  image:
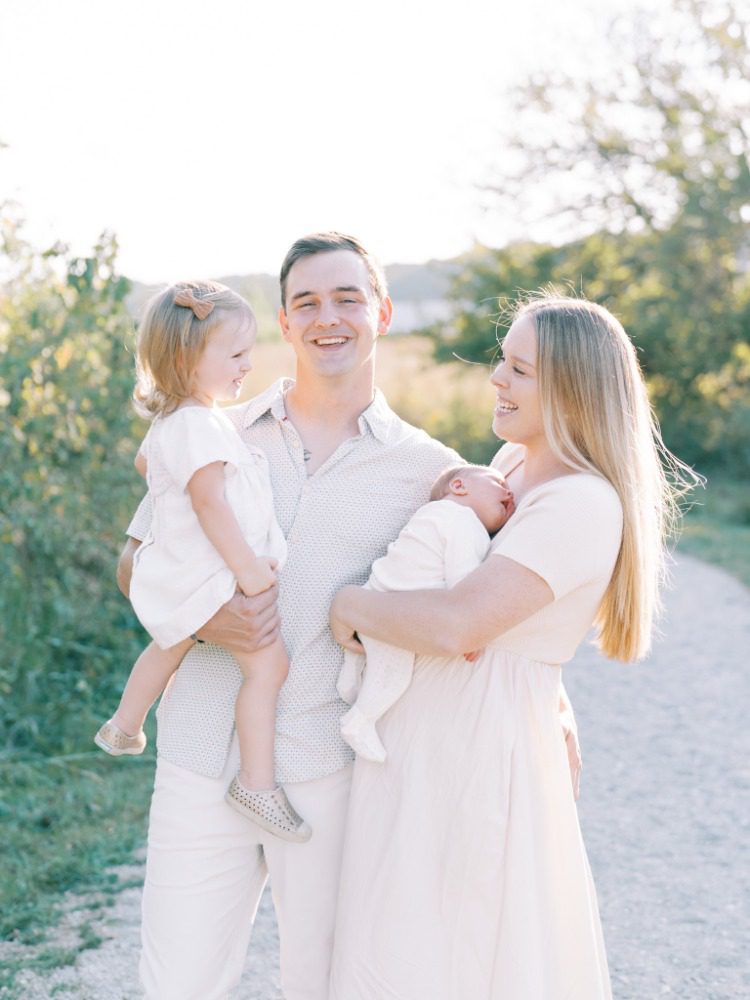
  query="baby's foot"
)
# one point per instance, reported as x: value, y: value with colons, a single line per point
x: 270, y: 810
x: 112, y: 740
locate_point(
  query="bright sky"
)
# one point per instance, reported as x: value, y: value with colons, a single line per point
x: 209, y: 136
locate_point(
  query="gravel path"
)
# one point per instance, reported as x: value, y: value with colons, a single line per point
x: 665, y: 811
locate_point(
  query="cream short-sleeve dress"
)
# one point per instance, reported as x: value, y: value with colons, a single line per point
x: 179, y: 579
x: 464, y: 875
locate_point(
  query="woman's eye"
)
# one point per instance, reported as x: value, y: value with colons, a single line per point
x: 518, y: 371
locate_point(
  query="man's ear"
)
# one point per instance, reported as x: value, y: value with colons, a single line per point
x: 385, y: 315
x: 457, y: 487
x: 283, y: 324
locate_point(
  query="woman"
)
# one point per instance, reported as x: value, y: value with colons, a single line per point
x: 465, y: 876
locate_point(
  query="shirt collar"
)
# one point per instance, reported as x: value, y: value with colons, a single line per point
x: 378, y: 418
x: 272, y: 400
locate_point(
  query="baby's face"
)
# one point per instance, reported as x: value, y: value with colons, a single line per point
x: 489, y: 497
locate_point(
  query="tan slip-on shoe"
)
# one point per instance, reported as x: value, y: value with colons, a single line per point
x: 270, y: 810
x: 112, y: 740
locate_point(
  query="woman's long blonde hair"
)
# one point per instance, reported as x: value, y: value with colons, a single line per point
x: 173, y: 334
x: 597, y: 418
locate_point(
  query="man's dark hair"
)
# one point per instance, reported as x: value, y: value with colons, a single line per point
x: 307, y: 246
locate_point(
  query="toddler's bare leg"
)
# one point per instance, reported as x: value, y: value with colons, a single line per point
x: 263, y: 674
x: 148, y: 678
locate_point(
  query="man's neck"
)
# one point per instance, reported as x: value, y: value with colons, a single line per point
x: 325, y: 416
x: 312, y: 403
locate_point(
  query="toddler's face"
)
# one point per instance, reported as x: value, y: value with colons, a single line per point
x: 489, y: 497
x: 225, y: 361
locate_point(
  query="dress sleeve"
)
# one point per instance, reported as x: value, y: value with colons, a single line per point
x: 567, y: 531
x: 194, y: 437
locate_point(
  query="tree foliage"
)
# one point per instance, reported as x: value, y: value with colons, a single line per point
x: 67, y: 483
x: 647, y: 165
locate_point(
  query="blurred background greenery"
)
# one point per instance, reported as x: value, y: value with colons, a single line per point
x: 650, y: 186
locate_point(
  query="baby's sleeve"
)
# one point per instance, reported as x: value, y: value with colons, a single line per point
x: 192, y: 438
x: 415, y: 559
x: 568, y: 532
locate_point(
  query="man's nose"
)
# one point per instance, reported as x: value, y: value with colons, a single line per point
x: 327, y: 315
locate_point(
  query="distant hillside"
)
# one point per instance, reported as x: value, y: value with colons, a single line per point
x: 418, y: 292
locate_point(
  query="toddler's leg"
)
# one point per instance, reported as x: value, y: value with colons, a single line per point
x: 148, y: 678
x: 263, y: 673
x: 123, y: 733
x: 253, y: 792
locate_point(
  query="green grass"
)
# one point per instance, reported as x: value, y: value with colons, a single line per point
x: 717, y: 528
x: 66, y: 823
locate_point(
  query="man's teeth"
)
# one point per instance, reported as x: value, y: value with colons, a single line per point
x: 330, y: 340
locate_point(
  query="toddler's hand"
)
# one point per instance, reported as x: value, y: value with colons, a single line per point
x: 259, y: 577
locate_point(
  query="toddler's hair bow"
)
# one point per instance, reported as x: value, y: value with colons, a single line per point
x: 201, y: 308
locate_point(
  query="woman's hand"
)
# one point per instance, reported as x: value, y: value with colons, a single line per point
x: 572, y: 746
x: 245, y: 624
x: 343, y: 632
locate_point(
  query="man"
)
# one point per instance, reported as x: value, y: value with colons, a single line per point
x: 347, y: 474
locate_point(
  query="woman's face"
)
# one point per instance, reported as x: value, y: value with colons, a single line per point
x: 518, y: 414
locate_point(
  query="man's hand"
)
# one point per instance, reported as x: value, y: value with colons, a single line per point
x: 125, y: 565
x: 245, y: 624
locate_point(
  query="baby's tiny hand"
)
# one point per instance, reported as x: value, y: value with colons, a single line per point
x: 510, y: 507
x: 473, y: 656
x: 260, y: 576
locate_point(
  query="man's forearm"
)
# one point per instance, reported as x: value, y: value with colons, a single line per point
x: 125, y: 565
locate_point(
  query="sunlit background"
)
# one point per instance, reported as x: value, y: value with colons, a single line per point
x: 478, y: 149
x: 209, y: 136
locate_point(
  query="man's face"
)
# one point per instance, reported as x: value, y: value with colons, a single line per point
x: 332, y: 317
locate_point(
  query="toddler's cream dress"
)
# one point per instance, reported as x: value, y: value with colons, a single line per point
x: 179, y: 579
x: 464, y: 874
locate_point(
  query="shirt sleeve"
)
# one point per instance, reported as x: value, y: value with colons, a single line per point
x: 192, y: 438
x: 141, y: 523
x: 568, y: 532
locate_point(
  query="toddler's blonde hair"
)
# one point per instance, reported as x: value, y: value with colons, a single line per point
x: 173, y: 334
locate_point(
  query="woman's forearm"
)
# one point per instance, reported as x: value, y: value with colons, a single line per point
x: 494, y: 598
x: 419, y: 620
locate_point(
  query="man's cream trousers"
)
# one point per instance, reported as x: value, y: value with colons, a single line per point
x: 206, y: 869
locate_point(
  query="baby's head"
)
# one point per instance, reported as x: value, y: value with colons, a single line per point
x: 178, y: 326
x: 480, y: 487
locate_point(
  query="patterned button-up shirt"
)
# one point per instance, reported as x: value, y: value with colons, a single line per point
x: 337, y: 522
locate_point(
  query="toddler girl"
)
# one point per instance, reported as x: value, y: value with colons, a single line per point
x: 213, y: 530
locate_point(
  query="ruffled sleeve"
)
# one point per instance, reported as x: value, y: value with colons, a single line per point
x: 194, y: 437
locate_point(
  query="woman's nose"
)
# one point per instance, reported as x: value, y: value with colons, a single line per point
x: 496, y: 378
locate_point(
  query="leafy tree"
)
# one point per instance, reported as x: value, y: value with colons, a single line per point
x: 67, y: 483
x: 647, y: 164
